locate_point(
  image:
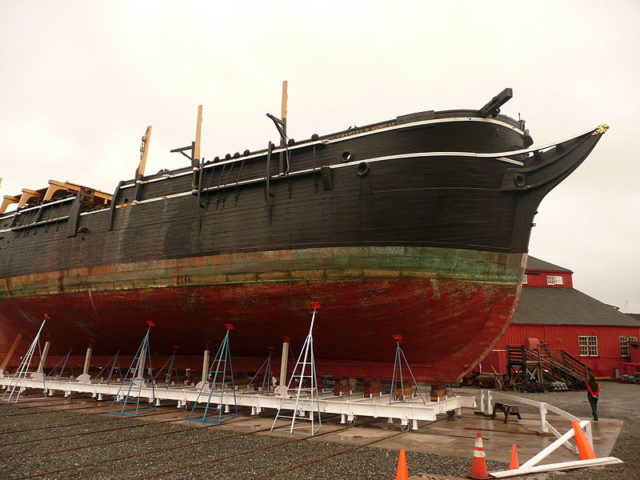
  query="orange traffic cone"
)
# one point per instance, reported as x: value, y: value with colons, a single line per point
x: 402, y: 472
x: 585, y: 450
x: 479, y: 465
x: 514, y: 464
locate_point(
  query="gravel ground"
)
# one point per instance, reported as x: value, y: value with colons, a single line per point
x: 89, y: 450
x: 93, y: 447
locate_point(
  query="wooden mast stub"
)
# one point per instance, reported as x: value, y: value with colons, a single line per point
x: 196, y: 148
x: 144, y: 150
x: 285, y: 98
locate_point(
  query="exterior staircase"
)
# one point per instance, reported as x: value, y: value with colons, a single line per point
x: 536, y: 368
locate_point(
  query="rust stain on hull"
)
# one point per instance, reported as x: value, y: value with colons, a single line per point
x: 450, y: 314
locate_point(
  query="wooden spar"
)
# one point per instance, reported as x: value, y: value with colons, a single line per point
x: 283, y: 114
x: 8, y: 200
x: 281, y: 123
x: 55, y: 186
x: 196, y: 148
x: 27, y: 195
x: 285, y: 98
x: 144, y: 149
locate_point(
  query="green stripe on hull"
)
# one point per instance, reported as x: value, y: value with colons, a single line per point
x: 332, y: 263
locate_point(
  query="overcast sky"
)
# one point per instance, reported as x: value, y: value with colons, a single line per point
x: 80, y: 81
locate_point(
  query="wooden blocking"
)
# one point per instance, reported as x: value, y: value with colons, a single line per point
x: 486, y: 381
x: 372, y: 388
x: 241, y: 383
x: 402, y: 393
x: 438, y: 393
x: 342, y: 387
x: 341, y: 390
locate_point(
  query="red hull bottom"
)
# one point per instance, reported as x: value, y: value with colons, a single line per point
x: 447, y: 325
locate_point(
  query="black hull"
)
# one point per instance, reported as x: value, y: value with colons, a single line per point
x: 388, y: 185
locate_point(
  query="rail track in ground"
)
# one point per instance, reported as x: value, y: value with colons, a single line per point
x: 55, y: 457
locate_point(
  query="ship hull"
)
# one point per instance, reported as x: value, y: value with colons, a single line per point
x: 410, y: 227
x: 449, y: 305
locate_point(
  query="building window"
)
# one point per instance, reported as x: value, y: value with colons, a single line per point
x: 588, y: 346
x: 624, y: 345
x: 554, y: 280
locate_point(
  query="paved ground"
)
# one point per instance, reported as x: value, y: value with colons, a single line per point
x: 79, y: 441
x: 617, y: 401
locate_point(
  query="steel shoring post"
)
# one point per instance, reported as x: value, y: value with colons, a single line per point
x: 168, y: 365
x: 398, y: 372
x: 10, y: 394
x: 266, y: 376
x: 170, y: 369
x: 64, y: 364
x: 62, y: 361
x: 418, y: 391
x: 134, y: 381
x: 44, y: 383
x: 306, y: 358
x: 267, y: 382
x: 112, y: 364
x: 304, y: 353
x: 219, y: 378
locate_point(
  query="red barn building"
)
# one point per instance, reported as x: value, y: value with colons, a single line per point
x: 554, y: 313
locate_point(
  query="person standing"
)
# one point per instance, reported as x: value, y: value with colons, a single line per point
x: 593, y: 392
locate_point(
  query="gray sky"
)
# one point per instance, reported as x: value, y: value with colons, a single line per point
x: 80, y: 81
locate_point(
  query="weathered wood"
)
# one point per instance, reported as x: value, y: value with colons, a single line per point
x: 196, y: 147
x: 8, y: 200
x: 144, y: 150
x: 285, y: 99
x: 493, y: 106
x: 27, y: 195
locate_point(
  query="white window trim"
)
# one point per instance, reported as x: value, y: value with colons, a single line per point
x: 588, y: 345
x: 624, y: 345
x: 555, y: 280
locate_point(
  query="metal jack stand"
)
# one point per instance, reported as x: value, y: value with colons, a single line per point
x: 112, y: 365
x: 168, y: 366
x: 15, y: 388
x: 267, y: 375
x: 304, y: 373
x: 221, y: 375
x: 398, y: 392
x: 129, y: 395
x: 62, y: 363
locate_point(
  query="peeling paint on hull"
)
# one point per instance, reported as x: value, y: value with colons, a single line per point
x: 450, y: 305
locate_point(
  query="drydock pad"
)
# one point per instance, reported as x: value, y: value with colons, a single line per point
x: 454, y: 436
x: 447, y: 436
